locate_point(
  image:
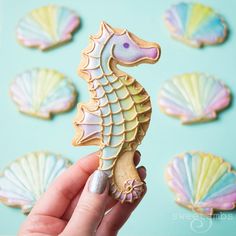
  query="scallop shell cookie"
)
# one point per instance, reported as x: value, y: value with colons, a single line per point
x: 43, y: 92
x: 202, y: 182
x: 195, y: 24
x: 47, y: 27
x: 24, y: 181
x: 193, y: 97
x: 118, y: 114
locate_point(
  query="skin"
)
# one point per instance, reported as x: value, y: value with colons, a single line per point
x: 69, y: 209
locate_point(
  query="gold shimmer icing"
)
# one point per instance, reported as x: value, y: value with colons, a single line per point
x: 118, y: 114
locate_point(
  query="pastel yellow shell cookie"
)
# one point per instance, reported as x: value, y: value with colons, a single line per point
x: 24, y: 181
x: 193, y: 97
x: 43, y: 92
x: 195, y: 24
x: 202, y: 182
x: 47, y: 27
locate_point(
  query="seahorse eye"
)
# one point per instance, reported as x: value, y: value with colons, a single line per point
x: 126, y: 45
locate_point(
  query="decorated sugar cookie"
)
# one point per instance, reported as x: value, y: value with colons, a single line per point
x: 24, y: 181
x: 47, y: 27
x: 193, y: 97
x: 118, y: 114
x: 43, y: 92
x: 195, y: 24
x: 202, y: 182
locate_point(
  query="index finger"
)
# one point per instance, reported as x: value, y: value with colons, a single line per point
x: 59, y: 195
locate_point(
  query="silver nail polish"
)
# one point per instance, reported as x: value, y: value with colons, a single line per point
x: 98, y: 182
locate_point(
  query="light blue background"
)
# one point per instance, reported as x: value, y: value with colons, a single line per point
x: 158, y: 214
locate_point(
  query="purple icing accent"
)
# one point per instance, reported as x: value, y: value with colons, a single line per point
x: 126, y: 45
x: 135, y: 52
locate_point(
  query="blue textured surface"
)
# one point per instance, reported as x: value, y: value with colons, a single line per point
x: 158, y: 214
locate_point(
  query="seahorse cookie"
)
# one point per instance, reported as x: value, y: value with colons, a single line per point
x: 117, y: 116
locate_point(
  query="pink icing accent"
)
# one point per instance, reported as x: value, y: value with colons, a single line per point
x: 71, y: 26
x: 222, y: 202
x: 150, y: 52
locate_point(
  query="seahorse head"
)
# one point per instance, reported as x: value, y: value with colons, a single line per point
x: 128, y: 49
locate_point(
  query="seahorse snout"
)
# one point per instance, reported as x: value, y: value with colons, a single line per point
x: 151, y: 53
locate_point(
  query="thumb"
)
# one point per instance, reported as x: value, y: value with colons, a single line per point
x: 90, y: 208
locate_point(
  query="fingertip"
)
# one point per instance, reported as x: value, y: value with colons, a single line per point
x: 98, y: 182
x: 94, y: 156
x: 137, y: 157
x: 142, y: 172
x: 91, y: 206
x: 138, y: 153
x: 87, y: 164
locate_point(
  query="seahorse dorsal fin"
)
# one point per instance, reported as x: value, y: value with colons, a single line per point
x: 105, y: 32
x: 107, y: 27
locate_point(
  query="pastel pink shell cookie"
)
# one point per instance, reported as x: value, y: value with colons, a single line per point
x: 47, y: 27
x: 43, y: 92
x: 195, y: 24
x: 202, y: 182
x: 26, y: 179
x: 193, y: 97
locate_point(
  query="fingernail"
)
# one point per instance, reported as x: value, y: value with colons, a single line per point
x: 98, y: 182
x: 144, y: 168
x: 139, y: 153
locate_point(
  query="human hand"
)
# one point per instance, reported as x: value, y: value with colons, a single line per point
x: 78, y: 204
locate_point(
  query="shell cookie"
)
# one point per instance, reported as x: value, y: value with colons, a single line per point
x: 202, y: 182
x: 194, y: 97
x: 43, y: 92
x: 118, y: 114
x: 195, y: 24
x: 24, y: 181
x: 47, y: 27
